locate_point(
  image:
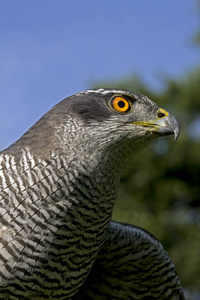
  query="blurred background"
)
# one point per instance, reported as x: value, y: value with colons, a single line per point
x: 52, y: 49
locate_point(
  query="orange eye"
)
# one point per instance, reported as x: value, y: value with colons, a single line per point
x: 120, y: 104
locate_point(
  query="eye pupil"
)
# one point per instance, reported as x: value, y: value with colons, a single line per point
x: 121, y: 104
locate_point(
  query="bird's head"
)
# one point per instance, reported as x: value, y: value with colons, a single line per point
x: 125, y: 108
x: 118, y: 115
x: 115, y: 120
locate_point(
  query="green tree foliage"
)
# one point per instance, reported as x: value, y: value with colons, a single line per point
x: 160, y: 188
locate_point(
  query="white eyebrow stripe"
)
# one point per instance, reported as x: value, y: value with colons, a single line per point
x: 103, y: 91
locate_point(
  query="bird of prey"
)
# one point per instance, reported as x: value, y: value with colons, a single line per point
x: 58, y: 186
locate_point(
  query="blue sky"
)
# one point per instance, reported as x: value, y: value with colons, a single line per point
x: 51, y: 49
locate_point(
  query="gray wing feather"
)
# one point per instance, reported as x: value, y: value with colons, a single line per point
x: 132, y: 264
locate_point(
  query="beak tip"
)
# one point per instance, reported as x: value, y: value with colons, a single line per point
x: 176, y: 135
x: 176, y: 132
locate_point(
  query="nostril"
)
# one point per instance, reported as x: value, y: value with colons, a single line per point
x: 160, y: 115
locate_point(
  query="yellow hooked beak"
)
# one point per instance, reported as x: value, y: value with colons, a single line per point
x: 164, y: 124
